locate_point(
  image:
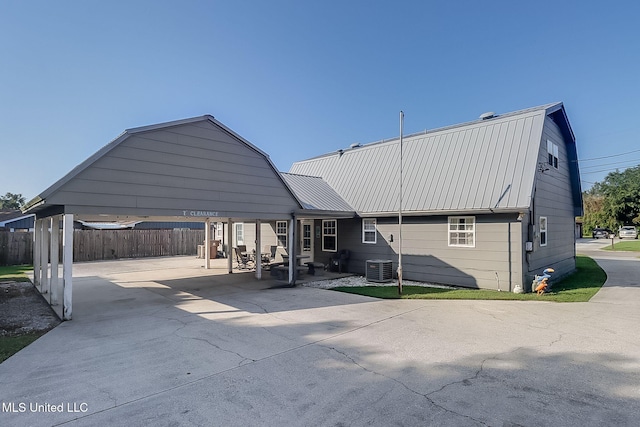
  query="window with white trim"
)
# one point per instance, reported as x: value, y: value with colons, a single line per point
x: 330, y: 235
x: 281, y: 233
x: 239, y: 233
x: 543, y: 231
x: 306, y: 237
x: 462, y: 231
x: 369, y: 234
x: 552, y: 153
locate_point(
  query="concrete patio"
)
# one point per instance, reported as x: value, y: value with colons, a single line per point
x: 164, y: 342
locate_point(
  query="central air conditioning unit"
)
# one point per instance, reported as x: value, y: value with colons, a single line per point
x: 379, y: 270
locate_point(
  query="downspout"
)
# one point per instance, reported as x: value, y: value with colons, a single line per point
x: 530, y: 227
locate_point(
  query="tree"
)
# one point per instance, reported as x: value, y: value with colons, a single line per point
x: 11, y: 201
x: 613, y: 202
x: 594, y: 215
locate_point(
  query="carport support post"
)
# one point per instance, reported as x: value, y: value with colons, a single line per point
x: 55, y: 256
x: 229, y: 248
x: 36, y: 253
x: 293, y: 260
x: 207, y: 243
x: 44, y: 261
x: 258, y: 251
x: 67, y: 265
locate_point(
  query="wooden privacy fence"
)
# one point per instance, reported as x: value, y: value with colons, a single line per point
x: 93, y: 245
x: 16, y: 248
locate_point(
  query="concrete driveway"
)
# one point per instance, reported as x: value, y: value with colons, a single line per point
x: 162, y: 342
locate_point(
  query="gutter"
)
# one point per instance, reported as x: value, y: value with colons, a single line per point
x: 444, y: 212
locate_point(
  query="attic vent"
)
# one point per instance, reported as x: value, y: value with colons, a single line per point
x: 379, y: 270
x: 487, y: 115
x: 355, y: 145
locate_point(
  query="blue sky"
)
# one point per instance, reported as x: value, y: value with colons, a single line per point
x: 301, y: 78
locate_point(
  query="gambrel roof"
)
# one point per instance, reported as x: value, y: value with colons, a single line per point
x: 484, y: 165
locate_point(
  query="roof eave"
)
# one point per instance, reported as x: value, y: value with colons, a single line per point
x: 478, y: 211
x: 319, y: 214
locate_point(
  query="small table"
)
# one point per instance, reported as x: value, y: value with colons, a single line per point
x: 313, y: 266
x: 285, y: 258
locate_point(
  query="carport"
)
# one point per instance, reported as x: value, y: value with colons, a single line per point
x: 195, y: 169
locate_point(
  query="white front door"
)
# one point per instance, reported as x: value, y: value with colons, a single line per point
x: 306, y: 239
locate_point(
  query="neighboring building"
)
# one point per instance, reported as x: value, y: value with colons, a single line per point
x: 486, y: 204
x: 15, y: 220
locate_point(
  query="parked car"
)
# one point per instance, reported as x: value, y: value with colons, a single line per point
x: 602, y: 233
x: 628, y: 232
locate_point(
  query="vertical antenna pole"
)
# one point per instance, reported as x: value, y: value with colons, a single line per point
x: 400, y: 212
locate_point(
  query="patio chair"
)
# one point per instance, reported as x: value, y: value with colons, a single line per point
x: 281, y: 254
x: 268, y: 254
x: 243, y: 259
x: 340, y: 260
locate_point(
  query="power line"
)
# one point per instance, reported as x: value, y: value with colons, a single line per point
x: 607, y: 157
x: 610, y: 164
x: 601, y: 170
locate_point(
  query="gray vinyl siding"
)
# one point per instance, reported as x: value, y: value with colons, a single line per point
x: 193, y: 166
x: 553, y: 198
x: 426, y: 255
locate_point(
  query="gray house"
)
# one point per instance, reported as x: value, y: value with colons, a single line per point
x: 486, y: 204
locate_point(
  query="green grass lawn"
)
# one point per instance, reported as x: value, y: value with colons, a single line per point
x: 624, y: 245
x: 11, y: 345
x: 15, y: 273
x: 579, y: 287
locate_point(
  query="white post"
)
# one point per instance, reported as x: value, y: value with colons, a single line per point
x: 207, y: 243
x: 400, y: 213
x: 258, y: 251
x: 36, y: 253
x: 292, y: 254
x: 55, y: 256
x: 229, y: 246
x: 67, y: 265
x: 44, y: 260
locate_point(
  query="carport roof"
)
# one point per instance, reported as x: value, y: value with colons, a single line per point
x: 317, y: 197
x: 187, y: 169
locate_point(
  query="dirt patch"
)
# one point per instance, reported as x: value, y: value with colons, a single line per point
x: 23, y: 310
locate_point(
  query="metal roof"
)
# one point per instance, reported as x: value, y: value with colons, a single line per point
x: 481, y: 165
x: 315, y: 194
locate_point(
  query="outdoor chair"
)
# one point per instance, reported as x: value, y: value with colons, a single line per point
x: 280, y: 255
x: 268, y: 254
x: 243, y: 259
x: 340, y: 260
